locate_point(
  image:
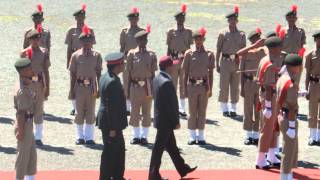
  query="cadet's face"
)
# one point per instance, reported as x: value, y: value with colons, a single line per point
x: 180, y: 20
x: 254, y: 39
x: 233, y: 21
x: 27, y: 72
x: 142, y: 41
x: 317, y: 40
x: 35, y: 42
x: 133, y: 21
x: 80, y: 18
x: 37, y: 20
x: 291, y: 20
x: 86, y: 43
x: 199, y: 41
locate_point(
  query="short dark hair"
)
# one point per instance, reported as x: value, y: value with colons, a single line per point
x: 162, y: 67
x: 111, y: 67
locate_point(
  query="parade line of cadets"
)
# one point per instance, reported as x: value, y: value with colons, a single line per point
x: 266, y: 74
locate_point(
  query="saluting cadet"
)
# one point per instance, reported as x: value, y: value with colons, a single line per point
x: 267, y: 76
x: 141, y: 67
x: 112, y: 119
x: 40, y: 63
x: 73, y: 42
x: 250, y: 59
x: 287, y: 102
x: 198, y: 65
x: 128, y: 42
x: 312, y: 84
x: 24, y: 103
x: 37, y: 18
x: 179, y: 39
x: 85, y: 70
x: 230, y: 40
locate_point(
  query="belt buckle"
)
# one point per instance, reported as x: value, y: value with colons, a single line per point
x: 199, y: 81
x: 232, y: 57
x: 35, y: 78
x: 86, y: 82
x: 141, y: 83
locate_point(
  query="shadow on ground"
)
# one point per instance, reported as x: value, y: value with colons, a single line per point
x: 306, y: 164
x: 7, y: 150
x: 212, y: 122
x: 227, y: 150
x: 59, y: 150
x: 53, y: 118
x: 6, y: 120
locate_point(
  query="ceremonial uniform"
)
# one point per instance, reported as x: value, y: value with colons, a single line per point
x: 198, y: 65
x: 24, y: 103
x: 312, y: 66
x: 112, y: 117
x: 40, y: 63
x: 45, y: 40
x: 250, y: 88
x: 287, y: 102
x: 85, y: 70
x: 229, y: 42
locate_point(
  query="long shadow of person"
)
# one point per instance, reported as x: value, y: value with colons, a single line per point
x: 212, y: 122
x: 306, y: 164
x: 53, y: 118
x: 227, y: 150
x: 59, y: 150
x: 8, y: 150
x: 6, y: 120
x: 238, y: 118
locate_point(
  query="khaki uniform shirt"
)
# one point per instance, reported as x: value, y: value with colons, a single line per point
x: 45, y: 40
x: 179, y: 40
x: 230, y: 42
x: 127, y: 39
x: 40, y: 61
x: 252, y: 59
x: 72, y: 38
x: 312, y: 64
x: 294, y: 40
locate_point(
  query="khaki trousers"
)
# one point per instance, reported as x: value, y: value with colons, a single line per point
x: 314, y: 93
x: 251, y: 98
x: 140, y: 102
x: 86, y: 104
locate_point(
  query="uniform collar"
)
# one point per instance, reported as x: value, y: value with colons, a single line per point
x: 292, y: 28
x: 87, y: 52
x: 180, y: 28
x: 142, y: 49
x: 166, y: 74
x: 200, y: 49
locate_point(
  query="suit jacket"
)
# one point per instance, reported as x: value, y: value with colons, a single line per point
x: 112, y: 111
x: 166, y: 110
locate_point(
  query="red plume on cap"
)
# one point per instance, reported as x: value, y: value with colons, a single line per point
x: 258, y: 30
x: 148, y: 29
x: 39, y: 7
x: 203, y: 31
x: 84, y: 7
x: 294, y: 8
x: 39, y: 28
x: 29, y: 53
x: 236, y: 9
x: 282, y: 34
x: 301, y: 52
x: 184, y: 8
x: 86, y: 30
x: 135, y: 10
x: 278, y: 29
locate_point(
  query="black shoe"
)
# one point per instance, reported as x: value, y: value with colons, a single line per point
x: 278, y: 156
x: 73, y: 112
x: 90, y: 142
x: 226, y: 114
x: 80, y: 141
x: 202, y: 142
x: 275, y: 165
x: 183, y: 114
x: 264, y: 167
x: 188, y: 171
x: 312, y: 142
x: 190, y: 142
x: 144, y: 141
x: 135, y: 141
x: 255, y: 141
x: 39, y: 143
x: 233, y: 114
x: 128, y: 113
x: 248, y: 141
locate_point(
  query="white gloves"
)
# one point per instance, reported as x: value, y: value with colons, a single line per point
x: 291, y: 132
x: 267, y: 112
x: 302, y: 93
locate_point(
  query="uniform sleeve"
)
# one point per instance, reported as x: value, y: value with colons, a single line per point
x: 243, y: 40
x: 122, y: 40
x: 114, y: 95
x: 190, y: 39
x: 211, y: 61
x: 169, y: 36
x: 154, y: 63
x: 185, y: 64
x: 292, y: 96
x: 21, y: 101
x: 220, y: 41
x: 242, y: 62
x: 25, y: 40
x: 303, y: 37
x: 49, y: 40
x: 129, y: 62
x: 94, y: 37
x: 308, y: 62
x: 68, y: 38
x: 73, y: 64
x: 269, y: 77
x: 47, y: 62
x: 99, y: 64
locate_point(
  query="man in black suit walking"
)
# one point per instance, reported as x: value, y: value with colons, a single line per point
x: 166, y: 119
x: 112, y: 119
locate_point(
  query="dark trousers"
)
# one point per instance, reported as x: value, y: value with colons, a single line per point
x: 165, y: 140
x: 113, y: 156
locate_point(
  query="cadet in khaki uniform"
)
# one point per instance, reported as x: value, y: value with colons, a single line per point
x: 313, y: 87
x: 230, y: 40
x: 85, y: 71
x: 24, y: 103
x: 267, y: 76
x: 295, y: 37
x: 73, y: 42
x: 287, y: 101
x: 250, y: 59
x: 179, y: 40
x: 128, y: 42
x: 37, y: 18
x: 40, y: 63
x: 141, y: 67
x: 198, y: 65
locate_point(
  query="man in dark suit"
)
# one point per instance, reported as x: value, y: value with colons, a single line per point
x: 166, y: 119
x: 112, y: 119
